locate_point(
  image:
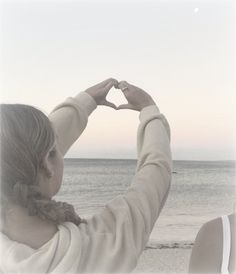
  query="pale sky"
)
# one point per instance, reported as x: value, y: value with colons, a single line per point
x: 180, y: 52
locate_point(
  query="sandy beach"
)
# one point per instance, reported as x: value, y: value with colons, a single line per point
x: 166, y: 260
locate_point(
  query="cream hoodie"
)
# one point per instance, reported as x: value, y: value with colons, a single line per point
x: 114, y: 238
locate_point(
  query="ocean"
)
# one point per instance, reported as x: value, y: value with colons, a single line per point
x: 200, y: 191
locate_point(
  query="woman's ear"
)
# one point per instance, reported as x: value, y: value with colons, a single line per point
x: 47, y: 167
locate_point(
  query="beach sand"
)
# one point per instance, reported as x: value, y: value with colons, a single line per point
x: 166, y: 260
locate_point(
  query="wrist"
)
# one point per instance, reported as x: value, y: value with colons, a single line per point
x: 92, y: 95
x: 86, y: 101
x: 147, y: 111
x: 150, y: 103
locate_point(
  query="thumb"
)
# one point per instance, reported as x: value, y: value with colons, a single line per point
x: 125, y: 106
x: 109, y: 104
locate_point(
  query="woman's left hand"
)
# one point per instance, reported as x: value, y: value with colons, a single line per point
x: 100, y: 91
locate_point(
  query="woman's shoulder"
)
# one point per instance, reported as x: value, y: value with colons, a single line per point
x: 214, y: 226
x: 209, y: 232
x: 37, y: 238
x: 206, y: 254
x: 33, y: 239
x: 207, y: 251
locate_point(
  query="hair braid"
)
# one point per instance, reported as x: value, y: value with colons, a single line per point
x: 46, y: 209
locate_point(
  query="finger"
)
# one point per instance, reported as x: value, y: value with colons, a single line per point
x: 123, y: 84
x: 125, y: 106
x: 116, y: 84
x: 107, y: 81
x: 109, y: 104
x: 112, y: 83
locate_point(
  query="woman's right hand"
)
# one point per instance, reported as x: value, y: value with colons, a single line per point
x: 136, y: 97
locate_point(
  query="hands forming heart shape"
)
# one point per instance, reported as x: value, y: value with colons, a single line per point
x: 136, y: 97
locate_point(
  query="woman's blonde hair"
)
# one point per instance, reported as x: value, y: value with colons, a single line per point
x: 26, y: 136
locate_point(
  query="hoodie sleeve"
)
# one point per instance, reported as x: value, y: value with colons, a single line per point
x: 118, y: 235
x: 70, y: 118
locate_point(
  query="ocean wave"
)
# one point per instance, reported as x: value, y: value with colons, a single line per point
x: 158, y: 245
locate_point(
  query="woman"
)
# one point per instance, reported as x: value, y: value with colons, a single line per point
x: 214, y: 248
x: 40, y: 235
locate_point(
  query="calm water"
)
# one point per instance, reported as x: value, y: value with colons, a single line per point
x: 200, y: 191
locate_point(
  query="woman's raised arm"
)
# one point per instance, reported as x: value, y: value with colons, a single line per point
x: 120, y: 232
x: 70, y: 118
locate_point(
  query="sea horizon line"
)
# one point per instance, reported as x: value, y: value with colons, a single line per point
x: 133, y: 159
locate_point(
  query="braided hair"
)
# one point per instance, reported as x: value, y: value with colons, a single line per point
x: 26, y: 136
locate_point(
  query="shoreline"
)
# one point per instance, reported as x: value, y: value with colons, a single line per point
x: 153, y: 244
x: 165, y: 257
